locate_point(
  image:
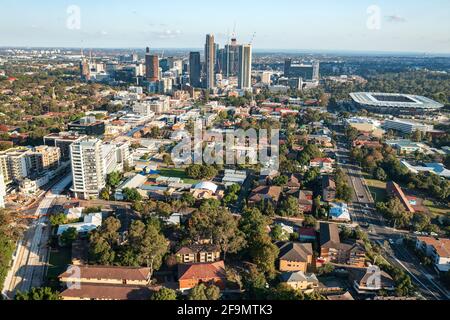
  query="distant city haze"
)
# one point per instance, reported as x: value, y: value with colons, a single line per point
x: 322, y: 25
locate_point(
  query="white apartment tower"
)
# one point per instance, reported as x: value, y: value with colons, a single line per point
x: 88, y: 171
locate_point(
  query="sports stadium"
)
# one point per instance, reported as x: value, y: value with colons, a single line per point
x: 394, y: 103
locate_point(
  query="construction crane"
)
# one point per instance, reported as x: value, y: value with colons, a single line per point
x: 253, y: 38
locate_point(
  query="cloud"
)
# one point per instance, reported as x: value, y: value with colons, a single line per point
x: 394, y: 18
x: 167, y: 34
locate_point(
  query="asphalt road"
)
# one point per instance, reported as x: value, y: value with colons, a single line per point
x: 31, y: 255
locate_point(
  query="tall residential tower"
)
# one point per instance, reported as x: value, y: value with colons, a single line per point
x: 151, y: 66
x: 210, y: 62
x: 245, y: 67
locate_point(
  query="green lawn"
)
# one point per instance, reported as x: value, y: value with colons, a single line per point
x: 377, y: 188
x: 59, y: 260
x: 177, y: 173
x: 436, y: 210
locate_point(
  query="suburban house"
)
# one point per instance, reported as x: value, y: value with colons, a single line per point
x: 293, y: 182
x: 105, y: 283
x: 305, y: 201
x: 339, y: 212
x: 394, y: 190
x: 198, y: 253
x: 307, y: 234
x: 437, y: 249
x: 270, y: 193
x: 334, y: 251
x: 324, y: 164
x: 329, y: 189
x: 299, y: 280
x: 363, y: 282
x: 190, y: 275
x: 347, y: 296
x: 295, y: 256
x: 357, y: 255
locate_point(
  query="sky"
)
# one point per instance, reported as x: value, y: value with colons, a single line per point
x: 316, y: 25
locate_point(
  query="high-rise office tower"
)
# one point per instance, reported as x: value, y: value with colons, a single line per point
x: 151, y: 66
x: 210, y: 61
x: 195, y: 69
x: 245, y: 67
x: 220, y: 61
x: 308, y: 72
x: 231, y: 60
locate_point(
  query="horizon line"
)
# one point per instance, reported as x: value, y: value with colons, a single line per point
x: 268, y: 50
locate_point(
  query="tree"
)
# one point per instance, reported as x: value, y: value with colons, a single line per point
x: 196, y: 171
x: 163, y: 209
x: 167, y: 159
x: 68, y: 237
x: 202, y: 292
x: 255, y: 284
x: 325, y: 269
x: 102, y: 242
x: 9, y: 234
x: 113, y: 179
x: 395, y: 211
x: 343, y: 190
x: 219, y: 225
x: 280, y: 180
x: 277, y: 233
x: 100, y: 251
x: 105, y: 194
x: 148, y: 243
x: 43, y: 293
x: 58, y: 219
x: 380, y: 174
x: 309, y: 221
x: 188, y: 199
x: 289, y: 207
x: 260, y: 248
x: 421, y: 221
x: 164, y: 294
x: 131, y: 195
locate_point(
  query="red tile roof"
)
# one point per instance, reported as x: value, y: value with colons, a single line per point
x: 108, y: 292
x: 201, y: 271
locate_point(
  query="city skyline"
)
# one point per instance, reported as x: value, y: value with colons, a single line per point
x: 324, y: 26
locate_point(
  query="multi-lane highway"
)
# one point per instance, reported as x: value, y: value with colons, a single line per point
x: 31, y: 255
x: 363, y: 212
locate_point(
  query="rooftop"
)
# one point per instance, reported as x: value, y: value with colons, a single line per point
x: 107, y: 272
x: 377, y: 99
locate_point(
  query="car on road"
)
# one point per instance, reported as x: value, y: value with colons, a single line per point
x: 365, y: 225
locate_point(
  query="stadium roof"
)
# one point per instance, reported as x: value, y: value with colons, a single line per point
x: 394, y: 100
